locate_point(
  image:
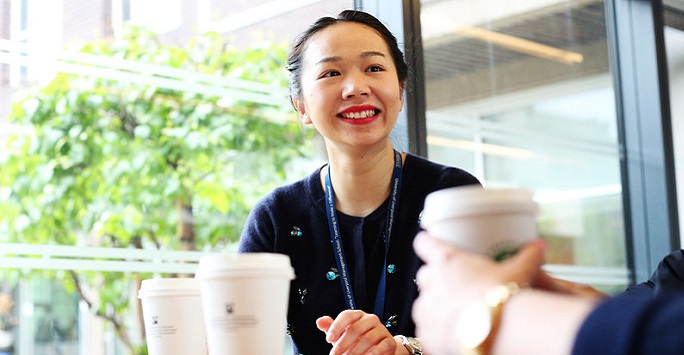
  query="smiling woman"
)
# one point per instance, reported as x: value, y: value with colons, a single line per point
x: 351, y: 247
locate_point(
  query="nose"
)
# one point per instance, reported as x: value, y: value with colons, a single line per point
x: 355, y: 85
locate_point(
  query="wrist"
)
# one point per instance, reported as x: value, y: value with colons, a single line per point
x: 401, y: 349
x: 410, y: 345
x: 477, y: 326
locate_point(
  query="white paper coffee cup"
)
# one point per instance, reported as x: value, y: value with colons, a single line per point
x: 173, y: 318
x: 489, y: 221
x: 245, y: 299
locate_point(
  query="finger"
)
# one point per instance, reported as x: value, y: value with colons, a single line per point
x: 528, y: 260
x: 363, y: 335
x: 341, y: 322
x: 532, y: 252
x: 426, y: 275
x: 544, y: 281
x: 431, y: 249
x: 422, y: 276
x: 568, y: 287
x: 418, y: 313
x: 323, y: 323
x: 589, y: 292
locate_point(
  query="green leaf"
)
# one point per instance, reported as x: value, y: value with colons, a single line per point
x: 142, y: 131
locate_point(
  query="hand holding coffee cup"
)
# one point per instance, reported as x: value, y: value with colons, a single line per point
x: 489, y: 221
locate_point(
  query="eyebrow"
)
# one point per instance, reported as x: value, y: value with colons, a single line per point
x: 366, y: 54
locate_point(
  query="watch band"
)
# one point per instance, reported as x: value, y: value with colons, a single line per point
x: 411, y: 344
x: 491, y: 308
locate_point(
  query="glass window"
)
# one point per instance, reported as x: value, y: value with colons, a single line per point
x: 135, y: 136
x: 674, y: 47
x: 520, y: 94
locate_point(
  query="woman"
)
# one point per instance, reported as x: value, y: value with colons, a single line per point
x: 351, y: 245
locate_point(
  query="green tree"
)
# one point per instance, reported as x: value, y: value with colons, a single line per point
x: 116, y: 163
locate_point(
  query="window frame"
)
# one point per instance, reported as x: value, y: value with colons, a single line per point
x: 636, y: 40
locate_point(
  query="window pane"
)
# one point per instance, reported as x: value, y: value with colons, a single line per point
x: 520, y: 94
x: 674, y: 47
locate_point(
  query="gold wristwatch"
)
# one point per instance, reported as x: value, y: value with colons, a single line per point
x: 479, y: 321
x: 411, y: 344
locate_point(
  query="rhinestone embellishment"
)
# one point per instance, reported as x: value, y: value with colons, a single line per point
x: 302, y: 295
x: 332, y: 274
x: 391, y: 321
x: 296, y: 232
x: 391, y: 268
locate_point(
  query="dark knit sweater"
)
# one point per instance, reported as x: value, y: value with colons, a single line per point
x: 292, y: 220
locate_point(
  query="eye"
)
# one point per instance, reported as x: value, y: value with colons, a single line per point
x: 330, y: 73
x: 375, y: 69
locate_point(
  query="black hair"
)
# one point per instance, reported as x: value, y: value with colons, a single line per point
x: 295, y: 57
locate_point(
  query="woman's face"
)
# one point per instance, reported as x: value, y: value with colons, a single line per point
x: 350, y: 88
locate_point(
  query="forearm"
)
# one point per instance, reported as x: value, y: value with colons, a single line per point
x: 538, y: 322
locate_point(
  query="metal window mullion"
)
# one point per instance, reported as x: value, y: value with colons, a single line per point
x: 645, y: 139
x: 403, y: 19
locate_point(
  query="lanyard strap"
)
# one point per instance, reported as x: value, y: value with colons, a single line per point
x: 335, y: 237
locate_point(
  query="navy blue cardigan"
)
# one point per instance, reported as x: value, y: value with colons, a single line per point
x: 291, y: 220
x: 648, y: 318
x: 628, y: 325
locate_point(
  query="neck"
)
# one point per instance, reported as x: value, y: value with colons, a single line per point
x: 361, y: 181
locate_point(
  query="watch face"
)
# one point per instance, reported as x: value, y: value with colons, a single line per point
x: 473, y: 325
x: 414, y: 344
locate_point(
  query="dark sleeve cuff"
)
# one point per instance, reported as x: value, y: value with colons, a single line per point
x: 635, y: 325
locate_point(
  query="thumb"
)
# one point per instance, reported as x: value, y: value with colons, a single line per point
x: 323, y: 323
x: 528, y: 260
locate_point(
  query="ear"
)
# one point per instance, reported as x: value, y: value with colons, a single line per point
x: 402, y: 88
x: 300, y: 107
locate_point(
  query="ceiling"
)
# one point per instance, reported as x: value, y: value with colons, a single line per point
x: 462, y: 67
x: 561, y: 27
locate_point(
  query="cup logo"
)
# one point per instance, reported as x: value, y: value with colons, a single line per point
x: 229, y: 308
x: 503, y: 250
x: 155, y: 319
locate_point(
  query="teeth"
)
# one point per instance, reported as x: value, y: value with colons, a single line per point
x: 359, y: 115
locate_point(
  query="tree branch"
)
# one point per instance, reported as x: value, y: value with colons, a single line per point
x: 118, y: 327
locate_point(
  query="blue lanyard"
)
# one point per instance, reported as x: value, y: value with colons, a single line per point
x: 331, y: 211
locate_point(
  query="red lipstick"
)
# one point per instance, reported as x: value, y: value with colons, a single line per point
x: 359, y: 114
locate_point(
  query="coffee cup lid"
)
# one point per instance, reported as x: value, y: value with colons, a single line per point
x: 168, y: 287
x: 244, y: 264
x: 467, y: 200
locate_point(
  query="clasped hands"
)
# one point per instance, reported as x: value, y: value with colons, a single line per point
x: 357, y: 332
